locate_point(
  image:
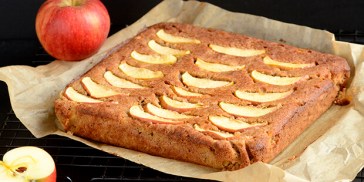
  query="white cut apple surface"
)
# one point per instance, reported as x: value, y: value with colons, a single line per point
x: 275, y: 80
x: 140, y: 73
x: 231, y: 125
x: 164, y: 50
x: 233, y: 51
x: 137, y: 112
x: 247, y: 111
x: 175, y: 39
x: 216, y: 134
x: 262, y: 97
x: 154, y: 59
x: 72, y: 94
x: 119, y: 82
x: 216, y: 67
x: 27, y: 163
x: 269, y: 61
x: 164, y: 113
x: 97, y: 90
x: 176, y: 105
x: 185, y: 93
x: 189, y: 80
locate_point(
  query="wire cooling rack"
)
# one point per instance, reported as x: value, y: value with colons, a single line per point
x: 76, y: 161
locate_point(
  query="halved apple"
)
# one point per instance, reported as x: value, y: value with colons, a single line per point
x: 97, y: 90
x: 233, y: 51
x: 203, y: 82
x: 216, y: 67
x: 275, y: 80
x: 164, y: 113
x: 175, y: 39
x: 262, y: 97
x: 185, y: 93
x: 119, y: 82
x: 140, y: 73
x: 154, y: 59
x: 27, y: 163
x: 231, y: 125
x: 72, y: 94
x: 267, y: 60
x: 176, y: 105
x: 137, y: 112
x: 247, y: 111
x: 166, y: 50
x: 214, y: 134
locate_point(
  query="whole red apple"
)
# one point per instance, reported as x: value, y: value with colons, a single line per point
x: 72, y: 30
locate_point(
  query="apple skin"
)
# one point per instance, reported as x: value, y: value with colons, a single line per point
x: 72, y: 33
x: 25, y: 153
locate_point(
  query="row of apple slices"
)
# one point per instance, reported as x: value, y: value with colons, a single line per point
x: 165, y: 54
x: 96, y: 90
x: 228, y: 125
x: 168, y: 53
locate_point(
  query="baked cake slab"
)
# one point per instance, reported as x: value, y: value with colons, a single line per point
x: 204, y: 96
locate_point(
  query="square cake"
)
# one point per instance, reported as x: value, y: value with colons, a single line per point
x: 204, y: 96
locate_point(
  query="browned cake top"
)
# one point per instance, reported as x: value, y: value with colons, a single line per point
x: 223, y: 84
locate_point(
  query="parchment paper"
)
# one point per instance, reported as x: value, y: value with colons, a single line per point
x: 334, y: 143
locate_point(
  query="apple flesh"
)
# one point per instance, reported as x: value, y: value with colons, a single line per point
x: 97, y: 90
x: 175, y: 39
x: 139, y: 73
x: 73, y: 95
x: 231, y: 125
x: 154, y: 59
x: 247, y: 111
x: 275, y: 80
x: 119, y: 82
x: 212, y: 133
x: 27, y: 164
x: 72, y: 30
x: 269, y: 61
x: 234, y: 51
x: 160, y: 49
x: 189, y: 80
x: 216, y: 67
x: 137, y: 112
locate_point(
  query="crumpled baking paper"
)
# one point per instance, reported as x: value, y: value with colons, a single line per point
x: 330, y: 150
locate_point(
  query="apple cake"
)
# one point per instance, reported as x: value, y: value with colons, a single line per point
x: 200, y: 95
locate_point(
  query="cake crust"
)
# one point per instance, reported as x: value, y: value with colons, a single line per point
x: 260, y: 128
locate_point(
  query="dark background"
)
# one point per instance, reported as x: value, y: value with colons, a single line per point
x: 77, y: 162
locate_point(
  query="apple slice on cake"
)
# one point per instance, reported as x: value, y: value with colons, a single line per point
x: 231, y: 125
x: 214, y: 134
x: 176, y: 105
x: 216, y: 67
x: 164, y: 50
x: 164, y: 113
x: 246, y: 111
x: 275, y: 80
x: 154, y: 59
x: 233, y: 51
x: 97, y: 90
x: 203, y: 82
x: 262, y: 97
x: 269, y: 61
x: 137, y: 112
x: 182, y: 92
x: 73, y: 95
x: 119, y: 82
x: 139, y: 73
x: 175, y: 39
